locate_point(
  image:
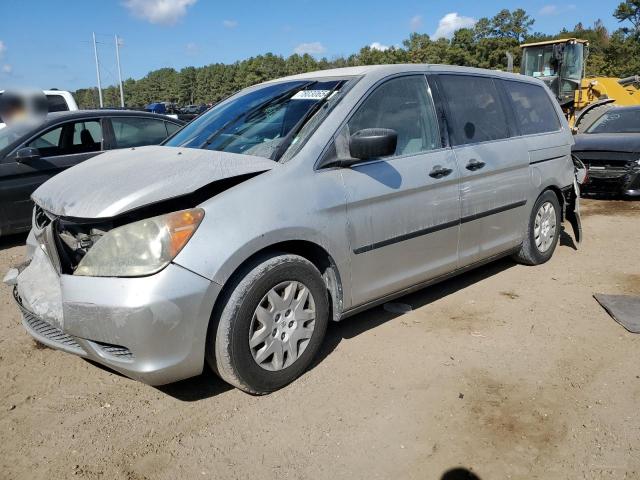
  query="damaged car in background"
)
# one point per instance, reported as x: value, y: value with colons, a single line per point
x: 292, y: 203
x: 610, y: 149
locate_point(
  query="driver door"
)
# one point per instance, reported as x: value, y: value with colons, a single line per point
x: 403, y: 216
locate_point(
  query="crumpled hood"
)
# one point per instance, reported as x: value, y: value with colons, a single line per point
x: 118, y: 181
x: 612, y: 142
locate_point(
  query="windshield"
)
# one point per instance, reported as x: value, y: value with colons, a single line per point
x: 539, y: 62
x: 260, y: 122
x: 617, y: 121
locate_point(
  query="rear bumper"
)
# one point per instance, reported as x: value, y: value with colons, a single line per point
x: 151, y: 329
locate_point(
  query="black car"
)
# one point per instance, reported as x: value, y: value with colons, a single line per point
x: 610, y: 149
x: 30, y: 155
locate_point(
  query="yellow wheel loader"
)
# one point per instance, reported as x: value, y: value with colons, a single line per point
x: 561, y: 65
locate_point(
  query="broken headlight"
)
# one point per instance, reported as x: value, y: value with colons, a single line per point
x: 140, y: 248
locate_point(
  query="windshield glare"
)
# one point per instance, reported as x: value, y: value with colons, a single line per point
x: 256, y: 122
x: 617, y: 121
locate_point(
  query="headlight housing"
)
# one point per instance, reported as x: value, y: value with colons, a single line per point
x: 140, y: 248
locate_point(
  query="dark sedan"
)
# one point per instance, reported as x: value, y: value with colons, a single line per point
x: 610, y: 148
x: 30, y: 155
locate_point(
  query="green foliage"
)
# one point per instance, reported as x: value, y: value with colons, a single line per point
x: 484, y: 46
x: 629, y: 11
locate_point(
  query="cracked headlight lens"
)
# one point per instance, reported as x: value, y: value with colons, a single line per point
x: 140, y: 248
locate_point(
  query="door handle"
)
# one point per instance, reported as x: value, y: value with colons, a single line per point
x: 475, y: 164
x: 439, y: 171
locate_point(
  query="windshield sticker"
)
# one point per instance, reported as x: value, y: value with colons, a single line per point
x: 311, y: 95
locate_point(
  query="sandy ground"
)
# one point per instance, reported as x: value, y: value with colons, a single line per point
x: 509, y: 371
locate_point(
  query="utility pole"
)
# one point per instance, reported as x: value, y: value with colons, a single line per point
x: 119, y: 71
x: 95, y: 52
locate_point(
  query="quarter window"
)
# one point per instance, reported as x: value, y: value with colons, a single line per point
x: 533, y: 108
x: 402, y: 104
x: 475, y: 109
x: 171, y: 128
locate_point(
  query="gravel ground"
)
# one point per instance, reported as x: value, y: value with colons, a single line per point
x: 508, y: 371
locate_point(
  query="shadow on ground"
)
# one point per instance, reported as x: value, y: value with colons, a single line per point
x: 209, y: 385
x: 459, y: 474
x: 358, y: 324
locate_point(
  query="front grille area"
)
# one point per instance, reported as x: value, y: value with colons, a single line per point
x: 117, y: 351
x: 609, y: 166
x: 48, y: 331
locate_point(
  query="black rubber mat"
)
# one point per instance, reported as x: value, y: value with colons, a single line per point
x: 625, y: 309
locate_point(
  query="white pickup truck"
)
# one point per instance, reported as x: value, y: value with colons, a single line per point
x: 57, y: 100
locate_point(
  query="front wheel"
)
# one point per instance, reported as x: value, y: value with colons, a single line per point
x: 271, y: 325
x: 543, y: 231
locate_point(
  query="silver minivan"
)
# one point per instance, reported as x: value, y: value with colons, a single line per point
x: 292, y: 203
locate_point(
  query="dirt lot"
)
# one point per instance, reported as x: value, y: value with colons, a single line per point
x: 512, y: 372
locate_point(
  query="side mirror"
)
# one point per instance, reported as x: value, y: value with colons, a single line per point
x: 371, y: 143
x: 27, y: 154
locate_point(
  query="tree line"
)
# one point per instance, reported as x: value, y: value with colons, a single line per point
x: 485, y: 45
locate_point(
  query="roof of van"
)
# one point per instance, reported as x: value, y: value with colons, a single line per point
x: 398, y: 68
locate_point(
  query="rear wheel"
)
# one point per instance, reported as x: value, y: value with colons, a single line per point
x: 543, y: 231
x: 271, y: 325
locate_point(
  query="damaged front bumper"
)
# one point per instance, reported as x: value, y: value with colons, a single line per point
x: 151, y: 329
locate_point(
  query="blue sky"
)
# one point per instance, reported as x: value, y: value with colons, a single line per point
x: 47, y: 43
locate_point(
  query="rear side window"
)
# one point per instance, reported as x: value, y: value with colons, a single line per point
x: 57, y: 103
x: 475, y: 109
x: 136, y: 132
x: 533, y: 108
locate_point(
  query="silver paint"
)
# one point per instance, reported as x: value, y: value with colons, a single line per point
x: 163, y: 318
x: 138, y: 177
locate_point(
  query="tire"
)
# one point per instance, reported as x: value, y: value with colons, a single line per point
x: 591, y: 116
x: 537, y: 249
x: 250, y: 300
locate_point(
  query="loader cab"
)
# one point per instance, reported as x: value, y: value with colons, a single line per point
x: 558, y: 63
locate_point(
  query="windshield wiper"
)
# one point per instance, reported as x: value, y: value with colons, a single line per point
x: 286, y: 141
x: 260, y: 106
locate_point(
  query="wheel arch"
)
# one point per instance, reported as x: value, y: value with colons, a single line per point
x: 559, y: 195
x: 312, y: 252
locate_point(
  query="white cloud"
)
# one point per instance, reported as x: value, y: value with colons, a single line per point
x: 230, y: 23
x: 3, y: 48
x: 6, y: 68
x: 416, y: 22
x: 312, y: 48
x: 191, y: 48
x: 165, y: 12
x: 451, y: 22
x: 555, y: 9
x: 548, y: 10
x: 378, y: 46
